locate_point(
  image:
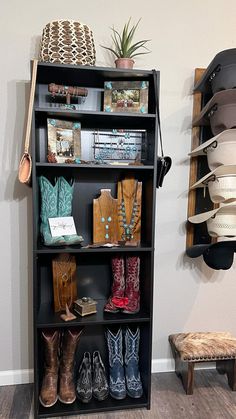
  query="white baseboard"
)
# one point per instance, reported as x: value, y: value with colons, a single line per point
x: 163, y: 365
x: 168, y: 365
x: 12, y: 377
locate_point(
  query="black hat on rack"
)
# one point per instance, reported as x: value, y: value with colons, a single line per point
x: 220, y: 74
x: 219, y: 112
x: 217, y: 256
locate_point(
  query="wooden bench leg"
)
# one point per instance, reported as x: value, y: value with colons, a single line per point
x: 228, y: 366
x: 185, y: 371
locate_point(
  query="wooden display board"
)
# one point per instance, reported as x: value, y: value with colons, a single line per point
x: 105, y: 218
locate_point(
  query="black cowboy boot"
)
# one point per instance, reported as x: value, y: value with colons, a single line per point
x: 84, y: 382
x: 100, y: 384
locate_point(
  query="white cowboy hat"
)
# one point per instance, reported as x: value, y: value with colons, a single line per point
x: 220, y: 150
x: 220, y: 221
x: 221, y: 183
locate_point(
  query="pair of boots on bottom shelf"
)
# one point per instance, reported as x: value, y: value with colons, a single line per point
x: 125, y: 294
x: 56, y: 201
x: 92, y: 379
x: 124, y: 376
x: 59, y: 366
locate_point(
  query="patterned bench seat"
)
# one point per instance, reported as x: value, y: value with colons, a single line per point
x: 191, y: 348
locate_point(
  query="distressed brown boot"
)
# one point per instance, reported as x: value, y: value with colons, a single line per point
x: 48, y: 394
x: 67, y: 392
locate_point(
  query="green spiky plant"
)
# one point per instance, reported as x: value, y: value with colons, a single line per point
x: 123, y: 42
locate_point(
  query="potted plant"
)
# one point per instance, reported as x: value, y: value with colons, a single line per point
x: 124, y: 48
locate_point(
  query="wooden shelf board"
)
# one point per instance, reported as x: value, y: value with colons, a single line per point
x: 77, y: 408
x: 97, y: 166
x: 73, y: 249
x: 47, y: 318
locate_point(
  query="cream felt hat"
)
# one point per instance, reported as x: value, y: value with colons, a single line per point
x: 221, y: 183
x: 220, y: 150
x: 220, y: 221
x: 219, y: 112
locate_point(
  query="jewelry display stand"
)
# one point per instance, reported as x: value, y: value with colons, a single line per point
x: 129, y: 210
x: 105, y: 220
x: 64, y: 281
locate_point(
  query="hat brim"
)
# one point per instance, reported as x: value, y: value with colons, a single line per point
x: 224, y: 170
x: 223, y: 97
x: 224, y: 136
x: 217, y: 256
x: 223, y: 58
x: 204, y: 216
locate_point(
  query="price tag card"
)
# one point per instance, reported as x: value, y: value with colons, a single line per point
x: 62, y: 226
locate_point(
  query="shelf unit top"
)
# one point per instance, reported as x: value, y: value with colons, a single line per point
x: 48, y: 72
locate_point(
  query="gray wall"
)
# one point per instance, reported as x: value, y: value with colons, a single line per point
x: 185, y: 35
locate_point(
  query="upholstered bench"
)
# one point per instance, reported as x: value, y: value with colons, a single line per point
x: 191, y: 348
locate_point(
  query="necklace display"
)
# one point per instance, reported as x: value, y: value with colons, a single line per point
x: 105, y: 221
x: 66, y: 280
x: 128, y: 227
x: 64, y: 284
x: 105, y: 218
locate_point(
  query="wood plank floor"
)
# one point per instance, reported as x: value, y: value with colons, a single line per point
x: 212, y: 399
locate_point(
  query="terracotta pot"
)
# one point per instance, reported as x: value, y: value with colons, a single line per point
x: 124, y: 63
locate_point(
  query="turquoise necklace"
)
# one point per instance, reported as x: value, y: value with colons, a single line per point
x: 106, y: 221
x: 128, y: 233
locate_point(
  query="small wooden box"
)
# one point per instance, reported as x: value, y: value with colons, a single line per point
x: 85, y: 306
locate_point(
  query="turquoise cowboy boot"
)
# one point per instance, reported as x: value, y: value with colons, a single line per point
x: 49, y: 200
x: 65, y: 195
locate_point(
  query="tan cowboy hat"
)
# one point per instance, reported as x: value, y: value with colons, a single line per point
x: 220, y: 74
x: 221, y: 183
x: 219, y: 112
x: 220, y: 221
x: 220, y: 149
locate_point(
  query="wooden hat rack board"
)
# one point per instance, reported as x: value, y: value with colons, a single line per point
x: 212, y: 183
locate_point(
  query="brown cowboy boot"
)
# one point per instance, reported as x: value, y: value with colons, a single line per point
x: 132, y: 292
x: 48, y: 394
x: 115, y: 301
x: 67, y: 393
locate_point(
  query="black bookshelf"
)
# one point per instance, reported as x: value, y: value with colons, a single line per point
x: 95, y: 262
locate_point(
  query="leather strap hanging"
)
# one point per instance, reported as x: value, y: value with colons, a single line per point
x: 25, y: 165
x: 163, y: 162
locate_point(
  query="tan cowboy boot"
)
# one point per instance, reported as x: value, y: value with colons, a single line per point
x: 67, y: 392
x: 48, y: 394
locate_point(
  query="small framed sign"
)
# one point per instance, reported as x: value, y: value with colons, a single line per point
x: 64, y: 141
x: 62, y: 226
x: 126, y: 96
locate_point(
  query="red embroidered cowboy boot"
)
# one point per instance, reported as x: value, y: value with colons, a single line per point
x: 118, y: 286
x: 132, y: 292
